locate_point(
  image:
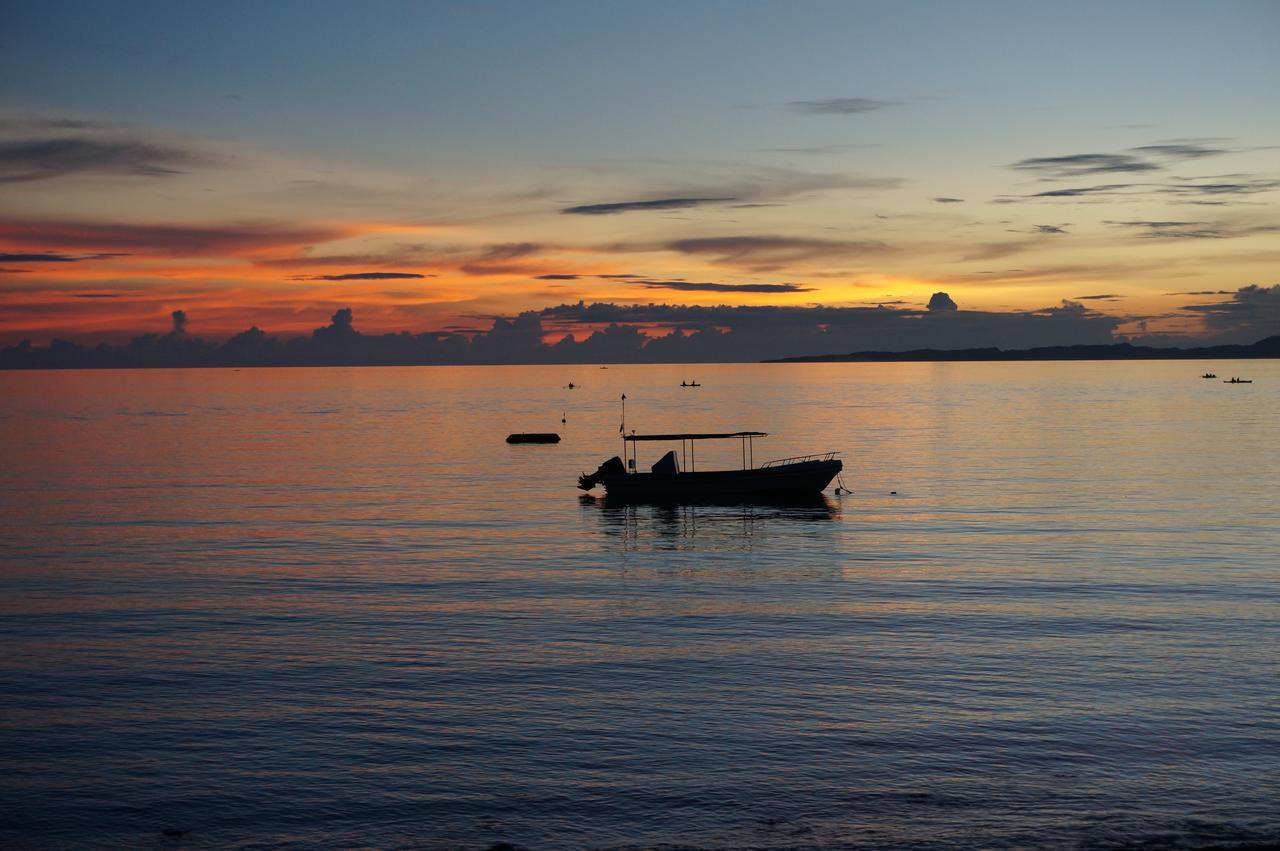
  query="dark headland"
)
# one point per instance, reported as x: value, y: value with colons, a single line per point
x: 1265, y: 348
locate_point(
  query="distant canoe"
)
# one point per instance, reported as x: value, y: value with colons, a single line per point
x: 535, y: 437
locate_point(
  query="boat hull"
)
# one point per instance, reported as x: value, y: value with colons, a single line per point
x: 783, y: 481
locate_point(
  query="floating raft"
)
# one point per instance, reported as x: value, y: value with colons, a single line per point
x: 533, y: 437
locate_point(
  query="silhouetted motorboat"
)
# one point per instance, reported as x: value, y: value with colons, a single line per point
x: 1209, y: 375
x: 690, y: 384
x: 782, y: 479
x: 1239, y: 381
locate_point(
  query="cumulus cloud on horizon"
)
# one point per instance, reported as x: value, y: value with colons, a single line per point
x: 615, y: 332
x: 1251, y: 313
x: 942, y: 301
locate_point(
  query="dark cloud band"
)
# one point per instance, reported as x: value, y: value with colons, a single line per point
x: 43, y: 159
x: 693, y: 286
x: 360, y: 276
x: 635, y: 206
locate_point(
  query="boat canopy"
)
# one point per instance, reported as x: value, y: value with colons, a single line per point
x: 738, y: 434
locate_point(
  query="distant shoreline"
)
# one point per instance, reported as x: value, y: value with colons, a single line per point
x: 1266, y: 348
x: 179, y: 353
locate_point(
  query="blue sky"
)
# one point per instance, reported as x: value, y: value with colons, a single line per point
x: 600, y: 79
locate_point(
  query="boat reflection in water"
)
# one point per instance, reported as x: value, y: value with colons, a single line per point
x: 708, y: 526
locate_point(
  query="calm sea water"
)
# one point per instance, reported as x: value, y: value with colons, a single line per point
x: 332, y: 607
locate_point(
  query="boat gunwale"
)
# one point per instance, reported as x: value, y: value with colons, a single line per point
x: 695, y: 436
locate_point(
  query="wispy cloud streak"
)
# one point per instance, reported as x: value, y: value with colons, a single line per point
x: 28, y: 160
x: 840, y: 106
x: 633, y: 206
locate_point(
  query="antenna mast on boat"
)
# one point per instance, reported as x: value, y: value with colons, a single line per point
x: 622, y: 429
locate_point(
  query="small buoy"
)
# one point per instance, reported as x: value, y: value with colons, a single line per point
x: 562, y: 419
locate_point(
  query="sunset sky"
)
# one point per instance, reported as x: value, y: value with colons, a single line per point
x: 434, y: 166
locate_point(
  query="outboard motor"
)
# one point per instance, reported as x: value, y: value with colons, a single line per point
x: 612, y: 467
